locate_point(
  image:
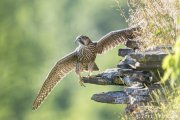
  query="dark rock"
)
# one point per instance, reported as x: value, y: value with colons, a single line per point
x: 125, y: 51
x: 109, y: 77
x: 150, y: 56
x: 124, y: 72
x: 130, y: 81
x: 115, y: 97
x: 137, y: 91
x: 119, y: 97
x: 140, y: 76
x: 127, y: 63
x: 153, y: 65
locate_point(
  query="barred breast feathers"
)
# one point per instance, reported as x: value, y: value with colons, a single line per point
x: 87, y: 53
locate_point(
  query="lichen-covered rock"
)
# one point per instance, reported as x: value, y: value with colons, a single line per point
x: 115, y: 97
x: 125, y: 51
x: 150, y: 56
x: 127, y: 63
x: 108, y: 77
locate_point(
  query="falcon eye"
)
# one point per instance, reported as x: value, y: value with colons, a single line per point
x: 85, y: 37
x: 81, y: 41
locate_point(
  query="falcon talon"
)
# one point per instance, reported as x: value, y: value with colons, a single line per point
x: 82, y: 59
x: 82, y: 83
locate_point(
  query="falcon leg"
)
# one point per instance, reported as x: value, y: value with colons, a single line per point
x: 78, y: 70
x: 89, y: 74
x: 81, y: 81
x: 90, y: 68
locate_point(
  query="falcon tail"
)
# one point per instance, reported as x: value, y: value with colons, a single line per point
x: 95, y: 67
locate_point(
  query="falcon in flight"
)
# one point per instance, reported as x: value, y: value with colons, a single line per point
x: 82, y: 59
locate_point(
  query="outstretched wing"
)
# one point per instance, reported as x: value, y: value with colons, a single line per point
x: 114, y: 38
x: 62, y: 67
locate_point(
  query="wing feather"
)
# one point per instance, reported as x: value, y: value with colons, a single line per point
x: 114, y: 38
x: 60, y: 70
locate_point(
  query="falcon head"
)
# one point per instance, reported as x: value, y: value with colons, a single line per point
x: 83, y: 40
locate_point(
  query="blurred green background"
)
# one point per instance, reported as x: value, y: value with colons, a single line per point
x: 34, y: 35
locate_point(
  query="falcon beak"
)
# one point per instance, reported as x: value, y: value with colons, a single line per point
x: 76, y: 41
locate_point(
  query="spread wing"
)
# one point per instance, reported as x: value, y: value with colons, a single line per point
x: 114, y: 38
x: 62, y: 67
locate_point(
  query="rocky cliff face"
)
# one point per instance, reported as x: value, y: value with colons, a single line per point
x: 140, y: 74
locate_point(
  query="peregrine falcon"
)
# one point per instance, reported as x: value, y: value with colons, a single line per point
x: 82, y: 59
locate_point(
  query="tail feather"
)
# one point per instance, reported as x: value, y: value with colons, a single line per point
x: 95, y: 67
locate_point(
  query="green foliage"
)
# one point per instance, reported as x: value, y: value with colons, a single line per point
x: 35, y: 34
x: 172, y: 65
